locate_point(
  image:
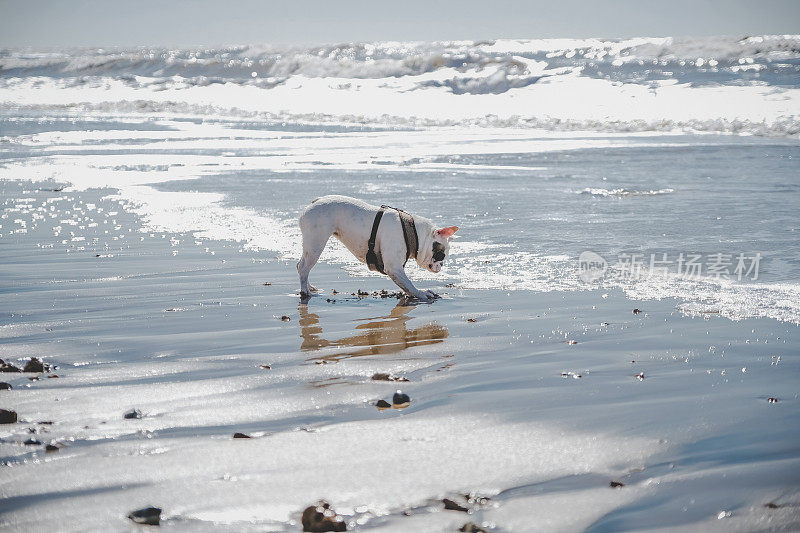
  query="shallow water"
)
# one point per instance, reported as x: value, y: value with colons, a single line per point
x: 148, y: 239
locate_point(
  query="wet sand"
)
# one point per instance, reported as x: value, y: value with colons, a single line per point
x: 502, y: 405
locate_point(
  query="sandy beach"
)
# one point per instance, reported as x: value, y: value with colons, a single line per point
x: 148, y: 256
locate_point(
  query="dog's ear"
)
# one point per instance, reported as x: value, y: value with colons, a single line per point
x: 447, y: 232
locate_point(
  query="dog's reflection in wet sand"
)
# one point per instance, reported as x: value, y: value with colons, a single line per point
x: 375, y: 336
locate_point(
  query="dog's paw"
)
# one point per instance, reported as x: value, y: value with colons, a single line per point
x: 427, y: 296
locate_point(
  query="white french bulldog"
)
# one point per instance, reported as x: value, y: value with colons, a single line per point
x: 351, y: 220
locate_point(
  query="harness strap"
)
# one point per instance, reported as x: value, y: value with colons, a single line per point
x: 374, y: 260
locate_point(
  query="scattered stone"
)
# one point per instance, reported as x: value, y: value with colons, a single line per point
x: 150, y: 516
x: 382, y: 404
x: 473, y: 320
x: 616, y: 484
x: 362, y: 293
x: 571, y: 342
x: 35, y: 365
x: 267, y: 283
x: 7, y: 417
x: 400, y: 398
x: 51, y: 376
x: 772, y: 399
x: 771, y: 505
x: 639, y: 376
x: 5, y: 386
x: 265, y: 367
x: 51, y: 448
x: 34, y: 378
x: 32, y: 442
x: 380, y: 376
x: 637, y: 311
x: 132, y: 414
x: 321, y: 518
x: 8, y: 367
x: 241, y: 436
x: 454, y: 506
x: 46, y: 422
x: 472, y: 527
x: 286, y: 318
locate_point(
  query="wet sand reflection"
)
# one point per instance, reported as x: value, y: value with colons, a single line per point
x: 375, y: 336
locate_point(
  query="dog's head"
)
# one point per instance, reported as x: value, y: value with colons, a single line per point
x: 440, y: 248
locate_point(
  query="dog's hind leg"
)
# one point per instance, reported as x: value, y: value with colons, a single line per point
x: 314, y: 242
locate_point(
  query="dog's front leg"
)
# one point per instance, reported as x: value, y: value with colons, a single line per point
x: 402, y: 281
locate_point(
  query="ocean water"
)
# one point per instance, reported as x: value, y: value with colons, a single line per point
x: 649, y: 151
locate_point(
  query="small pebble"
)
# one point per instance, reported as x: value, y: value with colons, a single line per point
x: 7, y: 417
x: 637, y: 311
x: 241, y: 436
x: 640, y: 376
x: 380, y: 376
x: 450, y: 505
x: 473, y: 320
x: 321, y: 518
x: 572, y: 342
x: 32, y: 442
x: 382, y: 404
x: 150, y: 516
x: 772, y: 399
x: 50, y: 448
x: 265, y: 367
x: 400, y: 398
x: 5, y: 386
x: 132, y: 414
x: 616, y: 484
x: 267, y: 284
x: 35, y: 365
x: 771, y: 505
x: 286, y: 318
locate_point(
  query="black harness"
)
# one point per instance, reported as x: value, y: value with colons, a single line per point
x: 374, y: 260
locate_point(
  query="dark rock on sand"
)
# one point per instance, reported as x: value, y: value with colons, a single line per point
x: 5, y: 386
x: 8, y: 367
x: 772, y: 399
x: 241, y: 436
x: 616, y: 484
x: 133, y: 414
x: 7, y: 417
x: 380, y: 376
x: 32, y: 442
x: 472, y: 527
x: 771, y: 505
x: 454, y: 506
x: 150, y: 516
x: 50, y: 448
x: 637, y: 311
x: 265, y: 367
x: 36, y: 365
x: 321, y: 517
x: 400, y: 398
x: 382, y: 404
x: 473, y: 320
